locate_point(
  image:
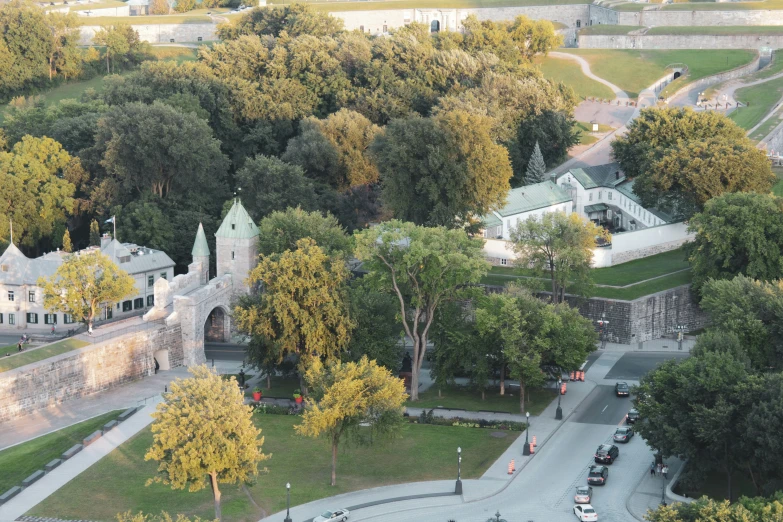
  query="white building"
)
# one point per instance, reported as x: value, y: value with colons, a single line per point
x: 523, y: 202
x: 21, y: 300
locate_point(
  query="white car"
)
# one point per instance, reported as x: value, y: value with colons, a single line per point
x: 340, y: 515
x: 585, y: 513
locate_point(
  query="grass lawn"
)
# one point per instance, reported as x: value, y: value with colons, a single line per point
x: 718, y: 30
x: 642, y: 289
x: 19, y: 462
x: 641, y: 269
x: 777, y: 188
x: 462, y: 397
x: 608, y: 29
x: 412, y: 4
x: 634, y: 70
x: 724, y: 6
x: 39, y: 354
x: 425, y: 452
x: 768, y: 126
x: 585, y: 129
x: 774, y: 67
x: 282, y: 387
x: 148, y: 20
x: 630, y: 6
x: 762, y: 99
x: 569, y: 72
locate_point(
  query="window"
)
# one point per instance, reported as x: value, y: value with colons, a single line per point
x: 31, y: 296
x: 4, y: 268
x: 11, y: 319
x: 138, y: 303
x: 150, y: 300
x: 151, y: 280
x: 590, y: 197
x: 600, y: 194
x: 385, y: 28
x: 578, y: 24
x: 232, y: 255
x: 504, y: 262
x: 50, y: 318
x: 110, y: 312
x: 67, y: 319
x: 127, y: 306
x: 163, y: 275
x: 32, y: 318
x: 361, y: 28
x: 609, y: 196
x: 1, y: 318
x: 10, y: 295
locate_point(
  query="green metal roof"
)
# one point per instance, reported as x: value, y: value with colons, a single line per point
x: 596, y: 208
x: 533, y: 197
x: 491, y: 220
x: 200, y: 246
x: 608, y: 175
x: 237, y: 224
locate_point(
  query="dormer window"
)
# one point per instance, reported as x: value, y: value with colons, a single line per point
x: 4, y: 268
x: 233, y: 226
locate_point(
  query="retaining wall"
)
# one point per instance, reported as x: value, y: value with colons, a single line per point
x: 737, y: 72
x: 774, y: 140
x: 162, y: 33
x: 656, y: 18
x: 689, y: 41
x: 104, y: 11
x: 86, y: 371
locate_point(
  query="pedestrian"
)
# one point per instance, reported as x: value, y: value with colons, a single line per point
x: 53, y: 329
x: 665, y: 472
x: 652, y: 468
x: 658, y: 472
x: 19, y: 345
x: 89, y: 330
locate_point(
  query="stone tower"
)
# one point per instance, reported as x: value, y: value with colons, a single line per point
x: 237, y: 247
x: 200, y: 254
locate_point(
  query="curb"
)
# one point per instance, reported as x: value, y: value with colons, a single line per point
x: 674, y: 496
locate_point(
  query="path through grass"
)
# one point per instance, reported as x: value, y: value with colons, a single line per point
x: 762, y: 99
x: 570, y: 73
x: 425, y: 452
x: 462, y: 397
x: 39, y: 354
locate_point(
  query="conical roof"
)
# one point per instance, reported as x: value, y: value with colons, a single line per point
x: 200, y: 246
x: 237, y: 224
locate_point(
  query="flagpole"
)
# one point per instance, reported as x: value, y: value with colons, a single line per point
x: 114, y: 222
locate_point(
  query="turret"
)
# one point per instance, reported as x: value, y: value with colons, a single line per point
x: 237, y: 247
x: 200, y: 254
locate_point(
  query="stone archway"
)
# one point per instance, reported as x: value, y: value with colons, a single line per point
x: 435, y: 26
x: 217, y: 327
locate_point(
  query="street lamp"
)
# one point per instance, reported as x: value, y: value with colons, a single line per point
x: 458, y: 487
x: 526, y: 450
x: 663, y: 485
x: 559, y: 411
x: 288, y: 502
x: 680, y: 335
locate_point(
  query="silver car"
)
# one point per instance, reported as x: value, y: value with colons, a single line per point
x: 332, y: 516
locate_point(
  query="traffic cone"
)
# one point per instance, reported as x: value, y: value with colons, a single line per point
x: 563, y: 389
x: 511, y: 467
x: 534, y: 441
x: 582, y: 376
x: 532, y: 448
x: 573, y: 374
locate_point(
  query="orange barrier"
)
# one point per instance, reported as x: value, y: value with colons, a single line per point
x: 534, y: 441
x: 573, y: 375
x: 532, y: 448
x: 511, y: 468
x: 563, y: 389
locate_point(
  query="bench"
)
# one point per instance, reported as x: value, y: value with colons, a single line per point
x: 109, y: 426
x: 72, y: 451
x: 53, y: 464
x: 126, y: 414
x: 92, y: 437
x: 33, y: 478
x: 8, y: 495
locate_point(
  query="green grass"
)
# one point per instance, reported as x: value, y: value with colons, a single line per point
x: 462, y: 397
x: 425, y: 452
x: 20, y: 461
x: 39, y: 354
x: 148, y: 20
x: 282, y: 387
x: 585, y: 136
x: 777, y: 188
x: 414, y: 4
x: 643, y: 289
x: 631, y: 6
x: 768, y: 126
x: 718, y: 30
x: 762, y: 99
x: 641, y: 269
x: 98, y: 5
x: 569, y: 72
x: 724, y: 6
x: 634, y: 70
x: 774, y: 67
x: 608, y: 29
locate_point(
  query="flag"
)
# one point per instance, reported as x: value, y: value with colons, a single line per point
x: 110, y: 220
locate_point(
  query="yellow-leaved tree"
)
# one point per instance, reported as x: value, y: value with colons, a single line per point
x: 163, y: 517
x: 82, y: 283
x: 204, y: 434
x: 359, y: 399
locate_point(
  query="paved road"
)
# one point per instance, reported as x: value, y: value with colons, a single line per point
x: 632, y: 366
x: 602, y: 407
x: 224, y: 351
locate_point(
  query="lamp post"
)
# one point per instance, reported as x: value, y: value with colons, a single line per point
x: 559, y: 411
x: 663, y: 486
x: 288, y: 503
x: 526, y: 450
x: 458, y: 487
x: 680, y: 334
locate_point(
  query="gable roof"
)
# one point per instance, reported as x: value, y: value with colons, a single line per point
x: 237, y: 224
x: 597, y: 176
x: 135, y: 259
x: 533, y: 197
x: 16, y: 268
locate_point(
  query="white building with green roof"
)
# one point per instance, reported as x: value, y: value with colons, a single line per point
x: 524, y: 202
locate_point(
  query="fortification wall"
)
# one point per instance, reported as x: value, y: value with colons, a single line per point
x: 656, y: 18
x: 161, y: 33
x: 691, y: 41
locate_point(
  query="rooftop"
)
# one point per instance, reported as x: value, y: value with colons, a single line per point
x: 237, y: 224
x: 608, y: 175
x: 533, y: 197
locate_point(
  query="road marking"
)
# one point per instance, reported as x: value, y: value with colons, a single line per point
x: 604, y: 408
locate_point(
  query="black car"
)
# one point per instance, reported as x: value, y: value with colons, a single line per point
x: 623, y: 434
x: 632, y: 416
x: 621, y: 389
x: 598, y: 475
x: 607, y: 453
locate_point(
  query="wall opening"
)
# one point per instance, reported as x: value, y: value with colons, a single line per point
x: 216, y: 328
x: 677, y: 74
x: 434, y: 26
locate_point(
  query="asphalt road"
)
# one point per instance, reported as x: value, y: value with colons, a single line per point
x: 602, y: 406
x: 224, y: 351
x: 632, y: 366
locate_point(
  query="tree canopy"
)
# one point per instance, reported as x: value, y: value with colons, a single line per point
x: 281, y: 231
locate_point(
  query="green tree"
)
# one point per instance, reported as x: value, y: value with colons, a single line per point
x: 458, y: 349
x: 443, y: 171
x: 377, y: 329
x: 422, y: 267
x: 560, y: 246
x: 25, y: 46
x: 500, y: 325
x: 67, y: 245
x: 570, y: 337
x: 65, y: 34
x: 163, y: 517
x: 143, y: 222
x: 281, y: 231
x: 536, y: 168
x: 83, y: 283
x: 304, y: 306
x: 95, y: 233
x: 293, y: 20
x: 183, y: 6
x: 115, y: 40
x: 348, y: 395
x: 737, y: 234
x: 194, y: 449
x: 271, y: 185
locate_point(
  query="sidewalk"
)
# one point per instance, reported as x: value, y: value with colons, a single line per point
x: 648, y: 492
x: 656, y: 345
x: 57, y: 478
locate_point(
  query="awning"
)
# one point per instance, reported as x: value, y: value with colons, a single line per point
x: 596, y: 208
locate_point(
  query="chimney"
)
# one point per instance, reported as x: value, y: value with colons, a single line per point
x: 617, y: 175
x: 105, y: 240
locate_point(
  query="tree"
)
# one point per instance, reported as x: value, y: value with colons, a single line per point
x: 67, y: 245
x: 25, y: 47
x: 192, y: 448
x: 500, y: 325
x: 737, y: 234
x: 183, y: 6
x: 536, y: 168
x: 560, y: 246
x: 160, y: 7
x: 36, y: 191
x: 304, y: 307
x: 95, y: 233
x: 459, y: 350
x: 757, y: 509
x: 83, y: 283
x: 570, y: 337
x: 143, y: 222
x: 163, y: 517
x: 442, y: 171
x: 347, y: 395
x: 422, y: 267
x: 122, y: 43
x: 293, y: 20
x: 376, y: 335
x: 281, y: 231
x: 272, y: 185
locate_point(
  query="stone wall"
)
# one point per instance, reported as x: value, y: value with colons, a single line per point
x: 774, y: 140
x: 737, y: 72
x: 162, y: 33
x: 684, y: 41
x: 603, y: 16
x: 86, y: 371
x: 658, y: 18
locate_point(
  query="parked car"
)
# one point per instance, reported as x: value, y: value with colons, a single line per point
x: 621, y: 389
x: 632, y: 416
x: 607, y: 453
x: 598, y: 475
x: 585, y: 513
x: 584, y: 494
x: 623, y: 434
x: 332, y: 516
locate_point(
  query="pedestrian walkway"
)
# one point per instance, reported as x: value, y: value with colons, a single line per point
x: 650, y: 491
x: 71, y: 468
